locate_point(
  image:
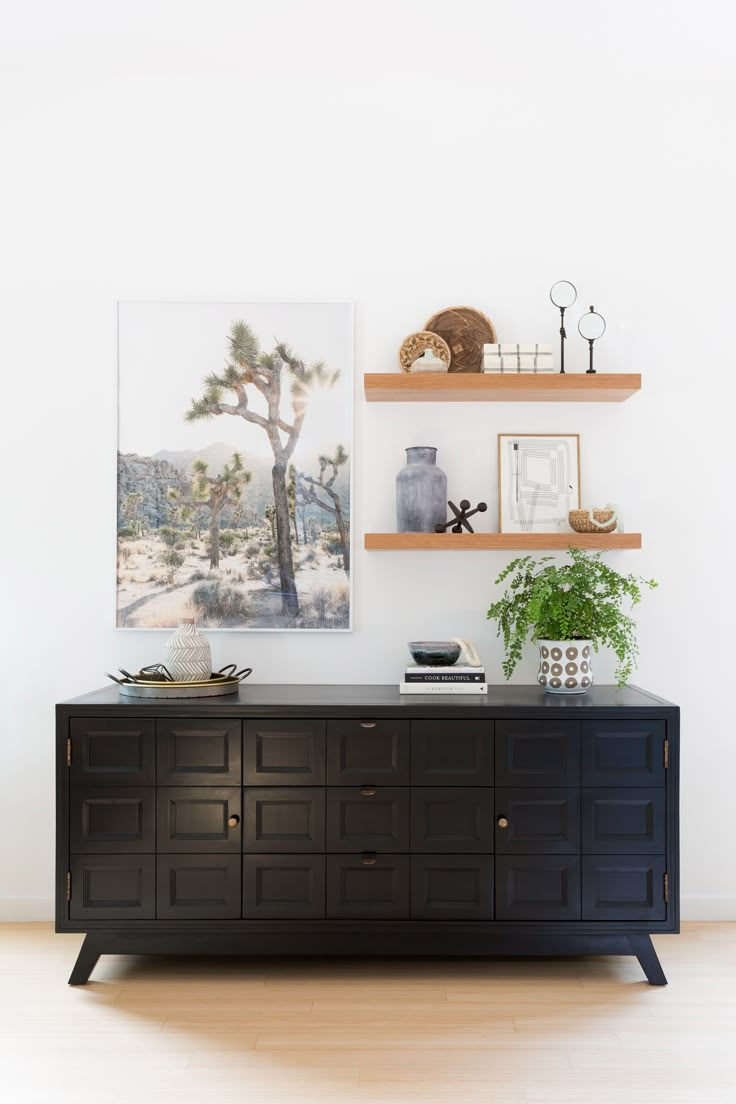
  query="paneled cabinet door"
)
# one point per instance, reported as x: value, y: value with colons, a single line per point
x: 112, y: 819
x: 284, y: 820
x: 370, y: 887
x: 537, y: 887
x: 368, y: 753
x: 623, y: 753
x: 198, y: 818
x: 452, y: 753
x: 538, y: 822
x: 452, y: 819
x: 624, y: 821
x: 198, y: 753
x: 284, y: 753
x: 452, y: 887
x: 110, y: 752
x: 537, y: 753
x: 368, y: 818
x: 623, y: 887
x: 113, y: 887
x: 288, y: 887
x: 193, y: 887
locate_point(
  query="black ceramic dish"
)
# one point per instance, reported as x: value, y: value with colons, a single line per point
x: 434, y: 653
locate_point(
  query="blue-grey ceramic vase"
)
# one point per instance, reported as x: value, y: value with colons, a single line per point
x: 421, y: 492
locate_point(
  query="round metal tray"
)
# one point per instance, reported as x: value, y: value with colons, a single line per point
x: 212, y: 688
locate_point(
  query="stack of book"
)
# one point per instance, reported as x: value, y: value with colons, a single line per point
x: 516, y: 358
x: 443, y: 680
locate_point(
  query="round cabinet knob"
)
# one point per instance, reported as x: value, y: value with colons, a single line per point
x: 368, y: 791
x: 369, y: 860
x: 503, y: 822
x: 233, y: 821
x: 367, y: 724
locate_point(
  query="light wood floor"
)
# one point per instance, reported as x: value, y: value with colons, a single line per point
x: 164, y: 1030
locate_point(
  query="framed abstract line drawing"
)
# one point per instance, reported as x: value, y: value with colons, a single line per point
x: 538, y: 481
x: 234, y: 465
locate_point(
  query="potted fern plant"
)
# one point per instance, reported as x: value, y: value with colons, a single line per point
x: 570, y: 610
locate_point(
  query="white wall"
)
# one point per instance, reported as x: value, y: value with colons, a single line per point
x: 407, y: 156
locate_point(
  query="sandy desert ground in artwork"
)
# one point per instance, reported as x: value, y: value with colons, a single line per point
x: 243, y: 590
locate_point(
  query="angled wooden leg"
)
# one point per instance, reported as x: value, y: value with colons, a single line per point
x: 642, y: 947
x: 87, y: 958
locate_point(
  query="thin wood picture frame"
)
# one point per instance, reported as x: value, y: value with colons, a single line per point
x: 546, y: 482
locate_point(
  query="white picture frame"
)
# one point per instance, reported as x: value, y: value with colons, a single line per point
x: 538, y: 481
x: 174, y: 358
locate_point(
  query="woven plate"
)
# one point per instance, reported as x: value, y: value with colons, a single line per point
x: 466, y: 331
x: 415, y: 344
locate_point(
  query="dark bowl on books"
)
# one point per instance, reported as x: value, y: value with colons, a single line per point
x: 434, y: 653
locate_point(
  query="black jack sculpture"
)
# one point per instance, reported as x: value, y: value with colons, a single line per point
x: 460, y: 520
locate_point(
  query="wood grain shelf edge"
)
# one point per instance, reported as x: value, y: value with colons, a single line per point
x: 485, y: 542
x: 489, y: 387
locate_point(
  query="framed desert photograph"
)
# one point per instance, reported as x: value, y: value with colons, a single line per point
x: 538, y: 481
x: 234, y: 465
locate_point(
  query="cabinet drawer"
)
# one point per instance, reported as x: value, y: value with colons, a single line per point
x: 537, y: 887
x: 289, y: 887
x: 367, y: 753
x: 452, y: 753
x: 113, y: 887
x: 623, y: 887
x: 112, y: 819
x: 109, y: 752
x: 623, y: 753
x: 623, y: 822
x: 370, y: 887
x: 198, y: 818
x: 198, y: 753
x: 368, y: 818
x: 537, y: 753
x: 452, y: 887
x: 542, y: 822
x: 449, y: 819
x: 192, y: 887
x: 284, y: 820
x: 284, y: 753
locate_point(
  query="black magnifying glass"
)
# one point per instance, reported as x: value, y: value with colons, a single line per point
x: 591, y: 326
x: 563, y: 294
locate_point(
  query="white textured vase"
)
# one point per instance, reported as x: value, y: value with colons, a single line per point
x: 565, y: 666
x: 187, y: 653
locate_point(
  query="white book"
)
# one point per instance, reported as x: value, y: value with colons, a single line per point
x: 445, y: 688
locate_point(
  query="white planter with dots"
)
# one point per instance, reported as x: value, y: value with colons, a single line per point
x: 565, y: 666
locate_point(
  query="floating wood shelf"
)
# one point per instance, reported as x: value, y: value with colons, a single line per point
x: 486, y: 542
x: 492, y: 387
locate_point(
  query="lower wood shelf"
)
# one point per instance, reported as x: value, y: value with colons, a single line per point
x: 486, y: 542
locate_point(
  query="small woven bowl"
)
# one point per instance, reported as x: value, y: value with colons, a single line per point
x: 581, y: 523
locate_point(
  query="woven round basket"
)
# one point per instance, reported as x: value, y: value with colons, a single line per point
x: 581, y: 523
x: 466, y: 330
x: 416, y: 343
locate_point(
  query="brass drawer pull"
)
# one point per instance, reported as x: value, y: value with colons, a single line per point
x: 367, y: 724
x: 233, y: 821
x: 502, y: 822
x: 368, y: 791
x: 369, y: 860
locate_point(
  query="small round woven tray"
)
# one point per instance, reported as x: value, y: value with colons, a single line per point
x: 581, y: 523
x: 416, y: 343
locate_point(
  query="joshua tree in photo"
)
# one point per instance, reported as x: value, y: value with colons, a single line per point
x: 311, y: 489
x: 270, y: 513
x: 217, y: 492
x: 248, y: 367
x: 181, y: 508
x: 131, y: 504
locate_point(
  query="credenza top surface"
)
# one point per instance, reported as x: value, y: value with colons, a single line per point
x: 284, y: 699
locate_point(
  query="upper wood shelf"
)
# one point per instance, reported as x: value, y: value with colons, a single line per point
x: 486, y: 542
x: 492, y: 387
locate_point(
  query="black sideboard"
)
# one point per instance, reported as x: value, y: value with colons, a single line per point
x: 324, y: 820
